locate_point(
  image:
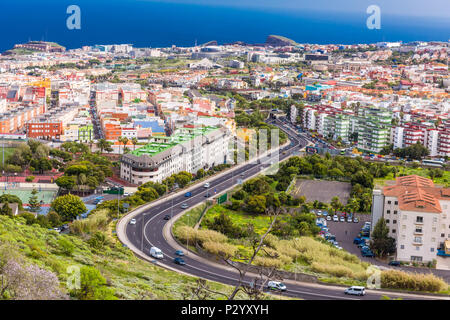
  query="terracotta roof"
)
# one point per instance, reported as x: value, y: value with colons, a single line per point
x: 416, y: 193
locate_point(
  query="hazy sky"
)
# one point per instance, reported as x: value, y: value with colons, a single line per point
x: 421, y: 8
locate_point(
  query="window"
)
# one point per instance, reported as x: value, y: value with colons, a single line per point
x: 388, y: 212
x: 434, y: 219
x: 395, y: 211
x: 387, y: 220
x: 419, y: 219
x: 396, y: 202
x: 442, y: 235
x: 394, y: 231
x: 394, y: 221
x: 433, y: 239
x: 432, y: 249
x: 389, y: 202
x: 418, y: 239
x: 402, y: 246
x: 419, y: 230
x: 434, y: 229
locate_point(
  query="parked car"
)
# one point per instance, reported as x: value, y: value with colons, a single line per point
x: 349, y: 219
x: 355, y: 220
x: 188, y: 194
x: 133, y: 221
x: 335, y: 218
x: 342, y: 219
x: 156, y: 253
x: 179, y: 261
x: 184, y: 206
x: 276, y: 285
x: 356, y: 291
x: 319, y: 213
x: 394, y: 263
x: 357, y: 240
x: 179, y: 253
x: 328, y: 218
x: 367, y: 253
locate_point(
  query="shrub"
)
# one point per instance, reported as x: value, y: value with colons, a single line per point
x: 220, y: 249
x: 418, y: 282
x: 29, y: 178
x: 267, y: 262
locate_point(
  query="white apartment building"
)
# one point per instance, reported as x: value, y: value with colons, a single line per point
x: 293, y: 113
x: 188, y: 149
x: 417, y: 214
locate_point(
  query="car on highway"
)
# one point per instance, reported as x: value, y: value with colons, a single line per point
x: 167, y: 217
x: 394, y: 263
x: 133, y: 221
x: 207, y: 195
x: 355, y: 220
x: 179, y: 261
x: 328, y: 218
x: 156, y: 253
x: 184, y: 206
x: 206, y: 185
x: 356, y: 291
x: 179, y: 253
x: 276, y: 285
x: 335, y: 218
x: 188, y: 194
x: 342, y: 219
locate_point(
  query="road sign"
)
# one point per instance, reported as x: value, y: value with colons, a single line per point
x: 223, y: 198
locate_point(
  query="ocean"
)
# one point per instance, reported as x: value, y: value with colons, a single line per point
x: 157, y: 24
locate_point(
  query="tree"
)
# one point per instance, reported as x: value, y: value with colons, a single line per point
x: 92, y: 286
x: 256, y: 204
x: 134, y: 141
x: 335, y: 203
x: 381, y: 244
x: 66, y: 182
x: 68, y: 206
x: 103, y: 144
x: 33, y: 202
x: 5, y: 210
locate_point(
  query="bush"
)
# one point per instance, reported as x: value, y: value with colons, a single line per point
x: 220, y: 249
x: 395, y: 279
x: 29, y: 178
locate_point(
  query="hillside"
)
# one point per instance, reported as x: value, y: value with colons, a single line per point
x: 125, y: 276
x: 279, y: 41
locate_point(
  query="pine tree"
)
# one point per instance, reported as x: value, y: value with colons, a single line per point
x: 33, y: 202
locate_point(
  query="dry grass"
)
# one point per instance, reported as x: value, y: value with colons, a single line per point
x: 396, y: 279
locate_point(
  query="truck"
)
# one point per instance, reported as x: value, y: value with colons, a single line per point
x: 156, y: 253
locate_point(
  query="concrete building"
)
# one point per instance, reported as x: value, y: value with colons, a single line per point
x: 417, y: 214
x: 188, y: 149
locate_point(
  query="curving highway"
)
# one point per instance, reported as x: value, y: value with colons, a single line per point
x: 151, y: 229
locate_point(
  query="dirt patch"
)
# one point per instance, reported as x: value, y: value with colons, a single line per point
x: 321, y: 190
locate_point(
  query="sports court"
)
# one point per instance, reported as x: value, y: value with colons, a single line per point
x: 46, y: 195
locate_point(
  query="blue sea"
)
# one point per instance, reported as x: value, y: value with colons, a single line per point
x: 158, y: 24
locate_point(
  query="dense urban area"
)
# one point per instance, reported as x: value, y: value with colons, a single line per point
x: 134, y: 168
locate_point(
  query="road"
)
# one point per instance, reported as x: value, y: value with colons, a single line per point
x: 150, y: 225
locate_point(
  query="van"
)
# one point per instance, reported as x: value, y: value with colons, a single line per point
x: 156, y: 253
x: 355, y: 290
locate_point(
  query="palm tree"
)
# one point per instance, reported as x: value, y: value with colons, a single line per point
x: 125, y: 142
x: 120, y: 140
x: 134, y: 141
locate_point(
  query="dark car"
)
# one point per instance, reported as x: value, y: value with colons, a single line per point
x: 187, y: 194
x: 179, y: 261
x: 167, y: 217
x: 179, y: 253
x: 357, y: 240
x: 394, y: 263
x: 367, y: 253
x: 207, y: 195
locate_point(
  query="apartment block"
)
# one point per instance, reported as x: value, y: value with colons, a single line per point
x: 417, y: 214
x: 188, y: 149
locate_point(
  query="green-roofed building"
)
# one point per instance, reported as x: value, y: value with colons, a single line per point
x: 188, y: 149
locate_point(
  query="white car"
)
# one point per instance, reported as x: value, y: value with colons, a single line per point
x: 342, y: 219
x: 335, y: 218
x: 319, y: 213
x: 356, y: 291
x: 206, y: 185
x: 276, y: 285
x: 349, y: 219
x: 328, y: 218
x: 133, y: 221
